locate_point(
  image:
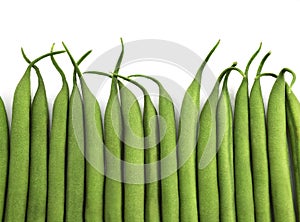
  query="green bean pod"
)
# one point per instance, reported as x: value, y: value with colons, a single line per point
x: 208, y: 194
x: 37, y: 194
x: 16, y: 199
x: 293, y: 121
x: 113, y: 135
x: 75, y: 159
x: 4, y: 155
x: 187, y: 139
x: 94, y: 152
x: 133, y: 137
x: 168, y: 155
x: 281, y: 189
x: 259, y: 154
x: 57, y: 151
x: 225, y: 154
x: 242, y: 159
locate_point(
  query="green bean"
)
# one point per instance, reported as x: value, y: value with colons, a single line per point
x: 259, y: 156
x: 4, y: 146
x: 133, y: 137
x: 168, y: 155
x: 186, y: 147
x: 113, y: 134
x: 152, y: 188
x: 113, y: 144
x: 208, y: 194
x: 225, y: 154
x: 152, y: 176
x: 281, y: 189
x: 242, y: 162
x: 17, y: 191
x: 293, y: 120
x: 94, y: 152
x: 84, y: 137
x: 57, y: 151
x: 37, y: 194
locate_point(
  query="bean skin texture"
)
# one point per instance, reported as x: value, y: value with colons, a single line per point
x: 293, y: 123
x: 37, y: 194
x: 83, y: 127
x: 57, y: 152
x: 208, y: 193
x: 94, y: 185
x: 168, y: 155
x: 259, y: 154
x: 225, y: 156
x: 113, y: 134
x: 281, y: 189
x: 133, y: 137
x: 152, y: 167
x: 16, y: 199
x: 4, y: 155
x: 75, y: 159
x: 187, y: 139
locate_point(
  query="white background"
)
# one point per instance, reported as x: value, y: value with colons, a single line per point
x: 98, y: 25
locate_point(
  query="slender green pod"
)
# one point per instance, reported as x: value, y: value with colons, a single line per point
x: 225, y: 154
x: 16, y: 199
x: 133, y: 137
x: 281, y: 188
x: 37, y: 193
x: 259, y: 154
x: 113, y: 145
x: 187, y: 139
x: 94, y: 152
x: 168, y: 155
x: 79, y: 177
x: 4, y: 155
x: 152, y: 167
x: 57, y: 151
x: 242, y: 158
x: 293, y: 123
x: 208, y: 193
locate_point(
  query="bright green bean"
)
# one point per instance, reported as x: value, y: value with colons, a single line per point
x: 281, y: 189
x: 4, y: 146
x: 37, y: 194
x: 16, y: 200
x: 187, y: 140
x: 293, y: 120
x: 242, y: 162
x: 94, y: 169
x: 208, y: 194
x: 168, y: 155
x: 82, y: 139
x: 133, y: 137
x: 259, y: 155
x: 113, y: 144
x: 57, y: 151
x: 225, y: 154
x: 113, y: 195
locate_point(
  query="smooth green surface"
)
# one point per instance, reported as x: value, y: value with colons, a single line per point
x: 4, y: 152
x: 133, y: 137
x: 242, y: 158
x: 259, y: 155
x: 293, y: 121
x: 281, y: 189
x: 113, y: 134
x: 187, y: 139
x: 225, y: 157
x: 75, y: 160
x: 57, y: 152
x: 37, y: 194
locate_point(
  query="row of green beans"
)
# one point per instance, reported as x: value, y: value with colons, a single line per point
x: 222, y: 163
